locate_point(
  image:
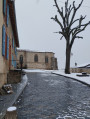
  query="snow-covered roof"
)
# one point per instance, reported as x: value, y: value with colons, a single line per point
x: 27, y: 50
x: 85, y: 65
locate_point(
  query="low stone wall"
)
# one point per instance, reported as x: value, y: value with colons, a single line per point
x: 3, y: 79
x: 14, y: 76
x: 80, y: 70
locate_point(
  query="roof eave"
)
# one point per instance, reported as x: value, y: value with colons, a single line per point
x: 13, y: 21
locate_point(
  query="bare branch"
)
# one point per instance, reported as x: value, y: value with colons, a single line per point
x: 84, y: 26
x: 56, y: 20
x: 74, y: 12
x: 59, y: 32
x: 80, y: 4
x: 61, y: 38
x: 77, y: 32
x: 74, y: 5
x: 79, y: 37
x: 75, y: 21
x: 60, y: 12
x: 58, y: 8
x: 70, y: 10
x: 80, y: 21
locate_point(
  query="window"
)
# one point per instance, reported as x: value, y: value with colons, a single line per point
x: 15, y: 51
x: 36, y: 58
x: 21, y: 59
x: 7, y: 47
x: 12, y: 60
x: 13, y: 42
x: 15, y: 64
x: 46, y: 59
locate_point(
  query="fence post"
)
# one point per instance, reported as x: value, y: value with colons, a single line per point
x: 11, y: 113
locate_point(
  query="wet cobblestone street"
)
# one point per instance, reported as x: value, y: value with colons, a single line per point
x: 48, y: 96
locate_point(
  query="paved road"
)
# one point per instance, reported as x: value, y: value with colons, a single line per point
x: 48, y: 96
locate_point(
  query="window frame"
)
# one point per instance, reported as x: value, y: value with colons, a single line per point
x: 46, y: 59
x: 35, y: 58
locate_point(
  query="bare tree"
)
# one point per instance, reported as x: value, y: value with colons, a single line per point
x: 68, y: 26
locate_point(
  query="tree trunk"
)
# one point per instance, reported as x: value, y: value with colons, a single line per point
x: 67, y: 66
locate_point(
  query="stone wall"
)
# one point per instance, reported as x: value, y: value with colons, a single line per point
x: 3, y: 79
x: 6, y: 63
x: 14, y: 76
x: 80, y: 70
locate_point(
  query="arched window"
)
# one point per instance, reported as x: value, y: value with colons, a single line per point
x: 21, y: 59
x: 36, y: 58
x: 46, y: 59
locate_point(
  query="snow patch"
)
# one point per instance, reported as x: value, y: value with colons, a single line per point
x: 74, y: 75
x: 10, y: 109
x: 59, y: 117
x: 36, y: 70
x: 68, y: 117
x: 25, y: 77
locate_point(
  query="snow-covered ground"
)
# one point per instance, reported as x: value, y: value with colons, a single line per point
x: 84, y: 79
x: 36, y: 70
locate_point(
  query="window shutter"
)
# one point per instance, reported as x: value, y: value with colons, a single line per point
x: 15, y: 51
x: 15, y: 64
x: 12, y: 60
x: 13, y: 43
x: 7, y: 14
x: 7, y: 47
x: 4, y: 7
x: 3, y: 40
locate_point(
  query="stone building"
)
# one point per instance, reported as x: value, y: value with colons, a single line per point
x: 37, y: 60
x: 81, y: 68
x: 8, y: 39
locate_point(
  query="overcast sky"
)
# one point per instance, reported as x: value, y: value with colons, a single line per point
x: 35, y: 30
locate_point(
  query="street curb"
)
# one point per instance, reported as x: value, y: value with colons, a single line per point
x: 72, y: 78
x: 20, y: 90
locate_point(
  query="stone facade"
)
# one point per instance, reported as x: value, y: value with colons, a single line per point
x: 37, y: 60
x: 8, y: 39
x: 80, y: 70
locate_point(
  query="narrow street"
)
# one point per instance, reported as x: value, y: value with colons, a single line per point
x: 48, y: 96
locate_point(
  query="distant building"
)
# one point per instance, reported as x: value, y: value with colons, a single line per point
x: 8, y: 39
x: 37, y: 60
x: 81, y: 68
